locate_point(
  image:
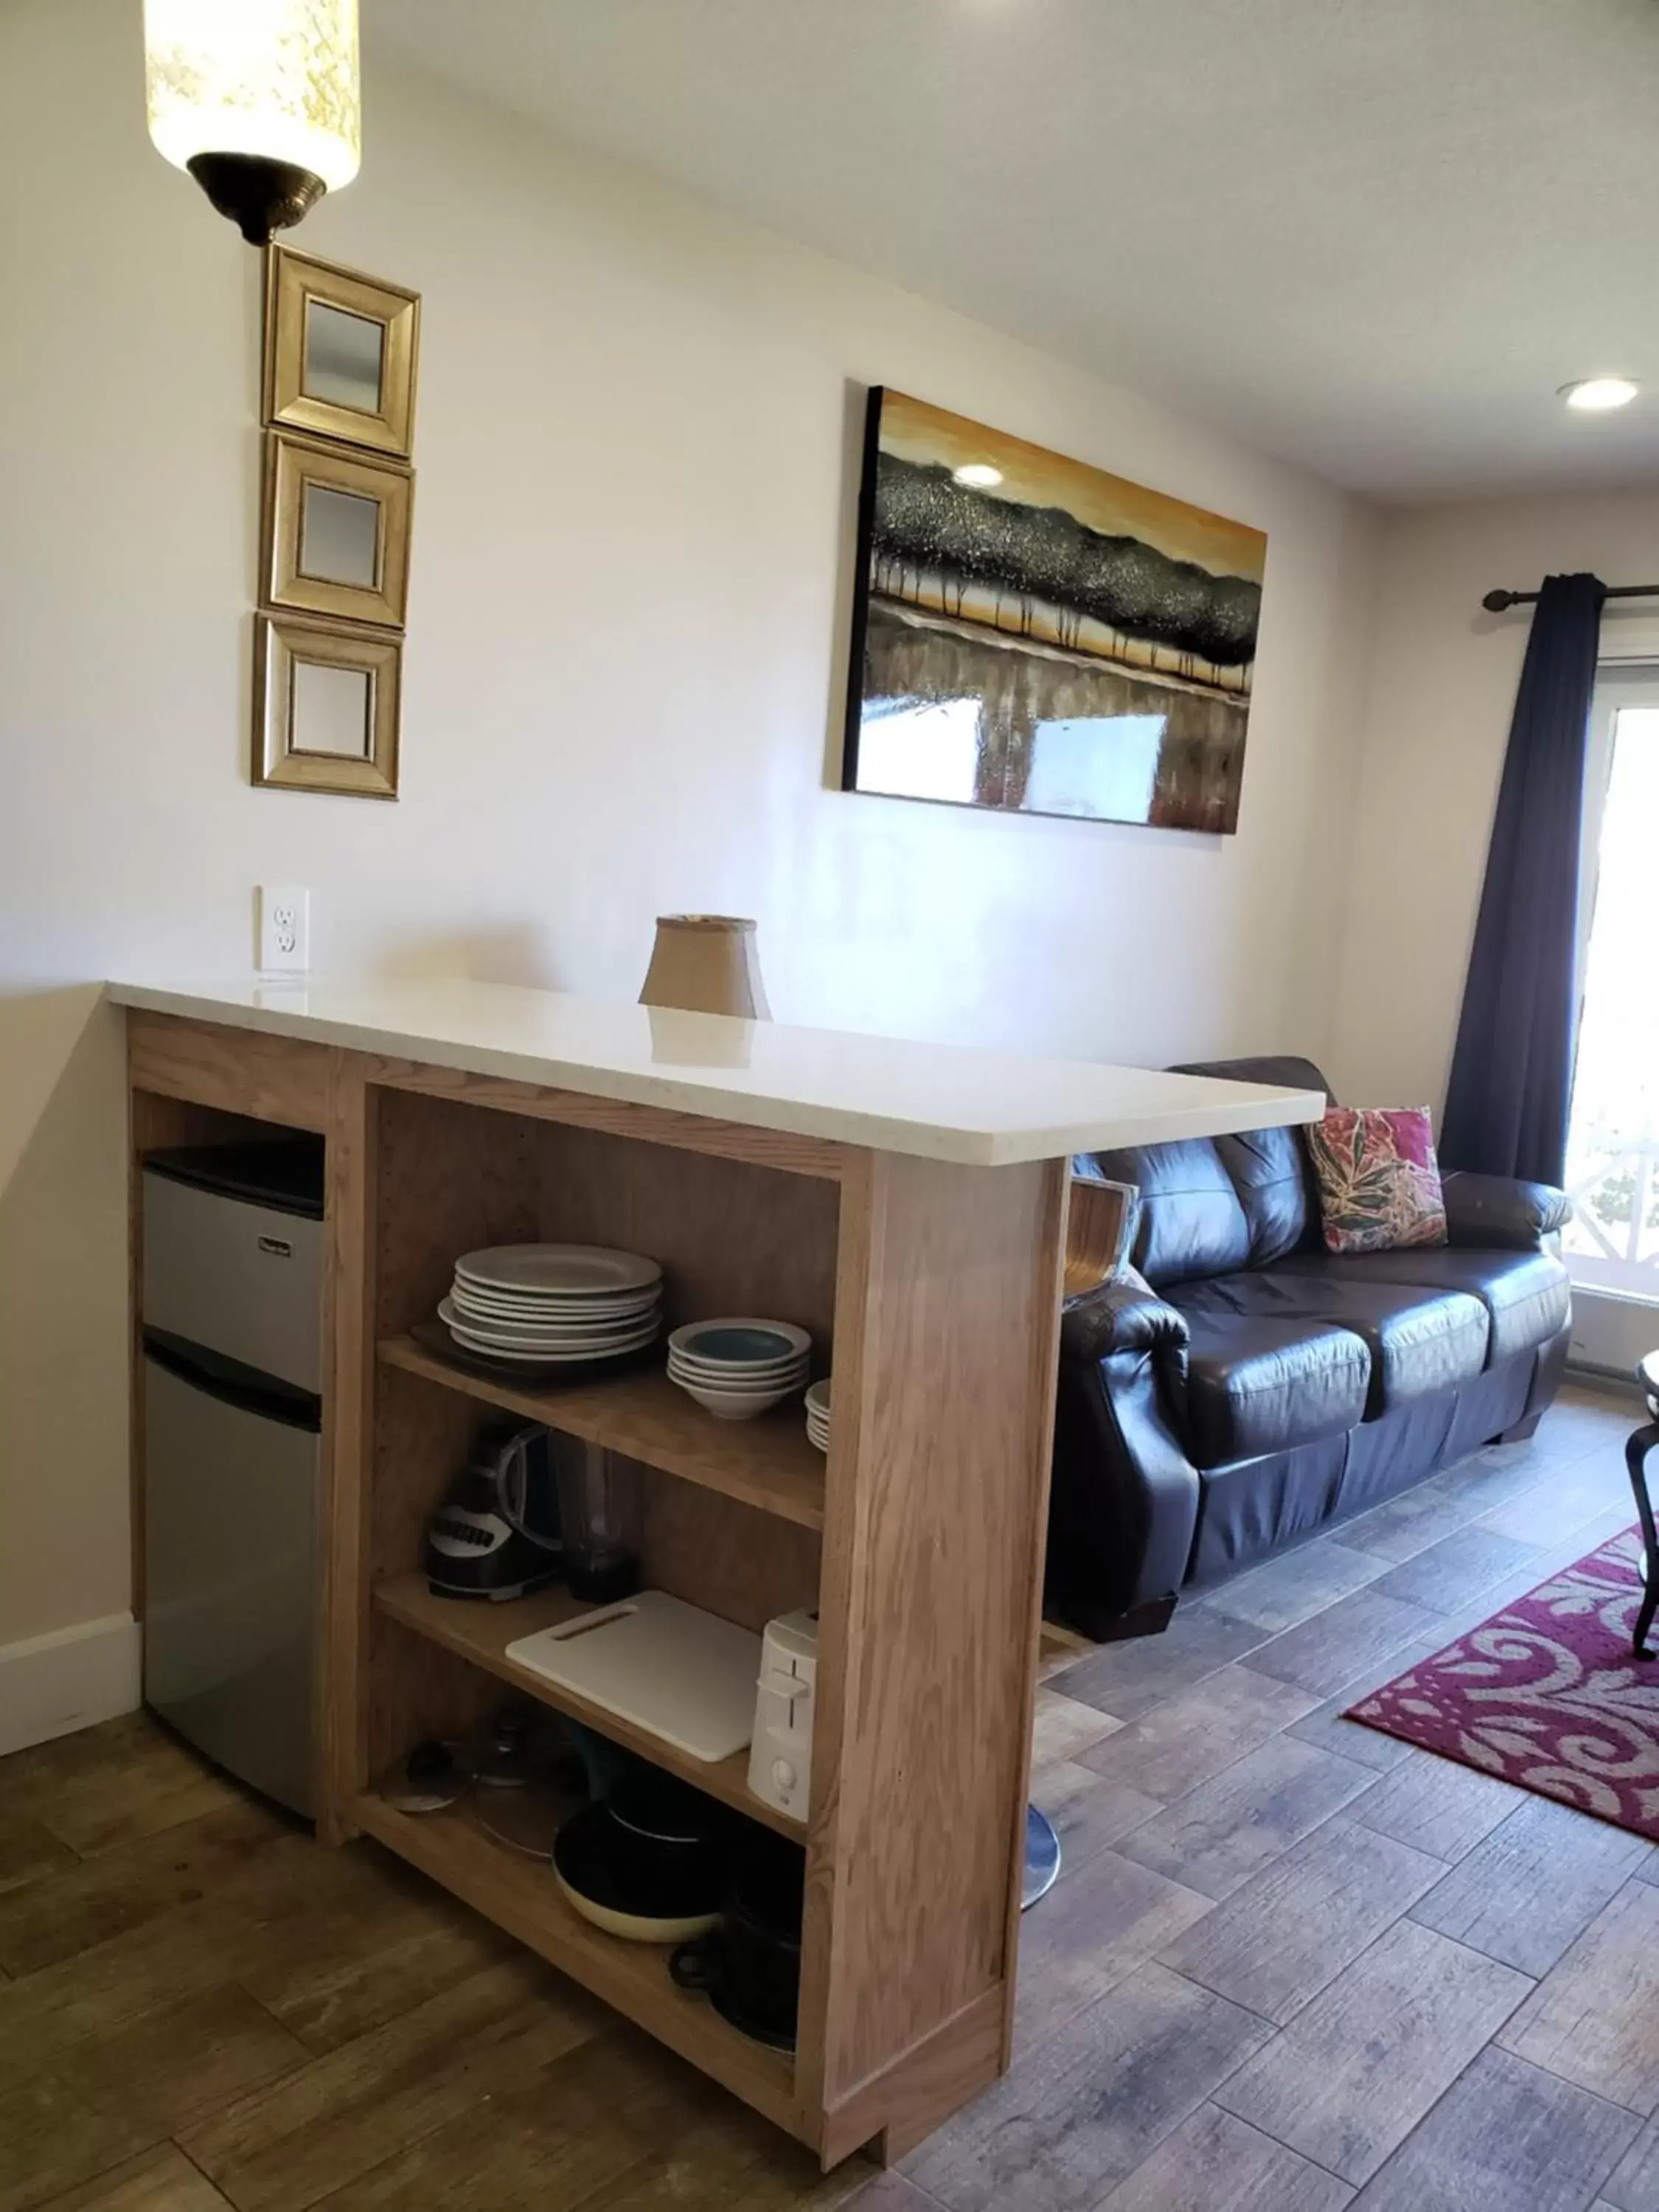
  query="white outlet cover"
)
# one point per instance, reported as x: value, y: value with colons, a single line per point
x: 284, y: 931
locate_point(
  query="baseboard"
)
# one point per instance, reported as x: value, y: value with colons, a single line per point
x: 52, y: 1685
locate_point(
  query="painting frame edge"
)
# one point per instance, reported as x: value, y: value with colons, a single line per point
x: 869, y: 451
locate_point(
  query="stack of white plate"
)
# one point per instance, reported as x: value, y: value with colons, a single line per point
x: 817, y: 1414
x: 738, y: 1367
x: 553, y: 1305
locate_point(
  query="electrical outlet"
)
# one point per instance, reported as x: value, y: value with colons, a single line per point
x: 284, y: 932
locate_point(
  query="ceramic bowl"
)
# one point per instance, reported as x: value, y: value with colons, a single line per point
x: 737, y: 1405
x: 739, y: 1343
x: 792, y: 1377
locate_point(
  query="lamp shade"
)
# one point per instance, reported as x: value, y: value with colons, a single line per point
x: 706, y: 964
x: 241, y: 90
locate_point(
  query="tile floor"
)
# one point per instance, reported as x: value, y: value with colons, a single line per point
x: 1290, y: 1966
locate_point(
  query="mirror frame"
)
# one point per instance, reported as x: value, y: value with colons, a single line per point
x: 279, y: 642
x: 291, y: 465
x: 292, y: 281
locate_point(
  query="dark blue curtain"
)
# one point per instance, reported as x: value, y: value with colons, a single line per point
x: 1511, y: 1078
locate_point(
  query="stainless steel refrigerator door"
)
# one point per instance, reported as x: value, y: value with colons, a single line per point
x: 231, y: 1505
x: 243, y: 1280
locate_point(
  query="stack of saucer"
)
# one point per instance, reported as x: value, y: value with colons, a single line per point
x: 817, y: 1414
x: 738, y: 1367
x: 553, y: 1305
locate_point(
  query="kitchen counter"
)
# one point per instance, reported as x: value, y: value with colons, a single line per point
x: 903, y: 1204
x: 929, y: 1101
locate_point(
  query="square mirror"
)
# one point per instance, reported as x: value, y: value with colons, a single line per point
x: 331, y: 710
x: 339, y: 537
x: 335, y: 532
x: 340, y: 353
x: 342, y: 357
x: 325, y: 708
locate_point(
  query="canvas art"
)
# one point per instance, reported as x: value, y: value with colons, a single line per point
x: 1037, y: 636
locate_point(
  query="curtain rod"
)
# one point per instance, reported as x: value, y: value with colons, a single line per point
x: 1496, y: 603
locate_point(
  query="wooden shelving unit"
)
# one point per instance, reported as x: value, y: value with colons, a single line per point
x: 769, y: 1463
x: 934, y: 1287
x: 481, y: 1633
x: 520, y: 1895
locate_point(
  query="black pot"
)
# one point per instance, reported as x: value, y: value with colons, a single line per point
x: 664, y: 1838
x: 749, y: 1966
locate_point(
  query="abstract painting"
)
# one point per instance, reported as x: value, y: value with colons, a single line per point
x: 1037, y: 636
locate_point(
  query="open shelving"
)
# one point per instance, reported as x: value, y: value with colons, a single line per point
x: 520, y: 1894
x: 481, y: 1632
x: 769, y: 1463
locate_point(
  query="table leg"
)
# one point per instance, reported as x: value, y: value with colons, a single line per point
x: 1636, y: 1451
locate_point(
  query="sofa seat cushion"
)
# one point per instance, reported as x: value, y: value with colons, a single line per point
x: 1257, y: 1385
x: 1420, y: 1340
x: 1528, y: 1295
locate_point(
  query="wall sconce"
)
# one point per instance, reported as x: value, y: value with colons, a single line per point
x: 258, y: 100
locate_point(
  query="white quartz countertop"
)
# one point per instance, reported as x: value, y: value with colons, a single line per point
x: 938, y: 1102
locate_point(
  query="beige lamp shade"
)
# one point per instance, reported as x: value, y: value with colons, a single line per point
x: 706, y: 964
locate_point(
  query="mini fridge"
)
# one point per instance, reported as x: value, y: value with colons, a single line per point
x: 231, y: 1307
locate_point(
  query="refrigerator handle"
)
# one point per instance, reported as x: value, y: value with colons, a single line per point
x: 233, y: 1383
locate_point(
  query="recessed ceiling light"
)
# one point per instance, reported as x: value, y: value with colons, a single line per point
x: 978, y: 476
x: 1598, y: 395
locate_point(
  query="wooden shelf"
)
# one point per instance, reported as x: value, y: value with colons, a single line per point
x: 481, y: 1633
x: 520, y: 1894
x: 769, y: 1463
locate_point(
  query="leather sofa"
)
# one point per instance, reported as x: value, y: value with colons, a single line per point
x: 1239, y: 1387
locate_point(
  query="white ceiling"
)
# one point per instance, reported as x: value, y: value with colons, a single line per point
x: 1370, y: 235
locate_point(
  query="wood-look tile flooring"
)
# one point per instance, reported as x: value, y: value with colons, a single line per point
x: 1290, y: 1966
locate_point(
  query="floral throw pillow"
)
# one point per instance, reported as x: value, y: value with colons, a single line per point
x: 1379, y: 1181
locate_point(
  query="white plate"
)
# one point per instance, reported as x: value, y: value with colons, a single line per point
x: 560, y: 1356
x: 797, y: 1339
x: 557, y: 1309
x: 601, y: 1302
x: 528, y: 1339
x: 578, y: 1270
x: 817, y: 1398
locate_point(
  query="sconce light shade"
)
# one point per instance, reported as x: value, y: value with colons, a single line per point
x: 706, y: 964
x: 259, y: 100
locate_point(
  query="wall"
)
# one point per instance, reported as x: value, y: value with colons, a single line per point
x: 622, y: 676
x: 1442, y: 689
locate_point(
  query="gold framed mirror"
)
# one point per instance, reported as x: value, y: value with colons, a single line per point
x: 325, y: 708
x: 341, y: 353
x: 336, y: 535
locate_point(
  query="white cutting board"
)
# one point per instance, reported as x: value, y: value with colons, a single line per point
x: 681, y: 1674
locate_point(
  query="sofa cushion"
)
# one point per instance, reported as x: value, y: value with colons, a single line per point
x: 1189, y: 1222
x: 1379, y: 1181
x: 1528, y: 1295
x: 1270, y: 1168
x: 1420, y: 1340
x: 1257, y: 1385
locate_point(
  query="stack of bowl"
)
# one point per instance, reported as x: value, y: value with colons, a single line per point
x: 817, y: 1414
x: 738, y: 1367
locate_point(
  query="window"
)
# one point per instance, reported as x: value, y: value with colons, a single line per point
x: 1612, y: 1242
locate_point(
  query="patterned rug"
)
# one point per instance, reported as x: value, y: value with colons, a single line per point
x: 1546, y: 1694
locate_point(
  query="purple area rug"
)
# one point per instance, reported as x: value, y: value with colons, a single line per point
x: 1546, y: 1694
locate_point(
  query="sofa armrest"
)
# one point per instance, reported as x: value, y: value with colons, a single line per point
x: 1124, y: 1314
x: 1495, y: 1211
x: 1123, y: 1507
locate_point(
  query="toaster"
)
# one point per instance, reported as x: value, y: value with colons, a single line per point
x: 780, y: 1750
